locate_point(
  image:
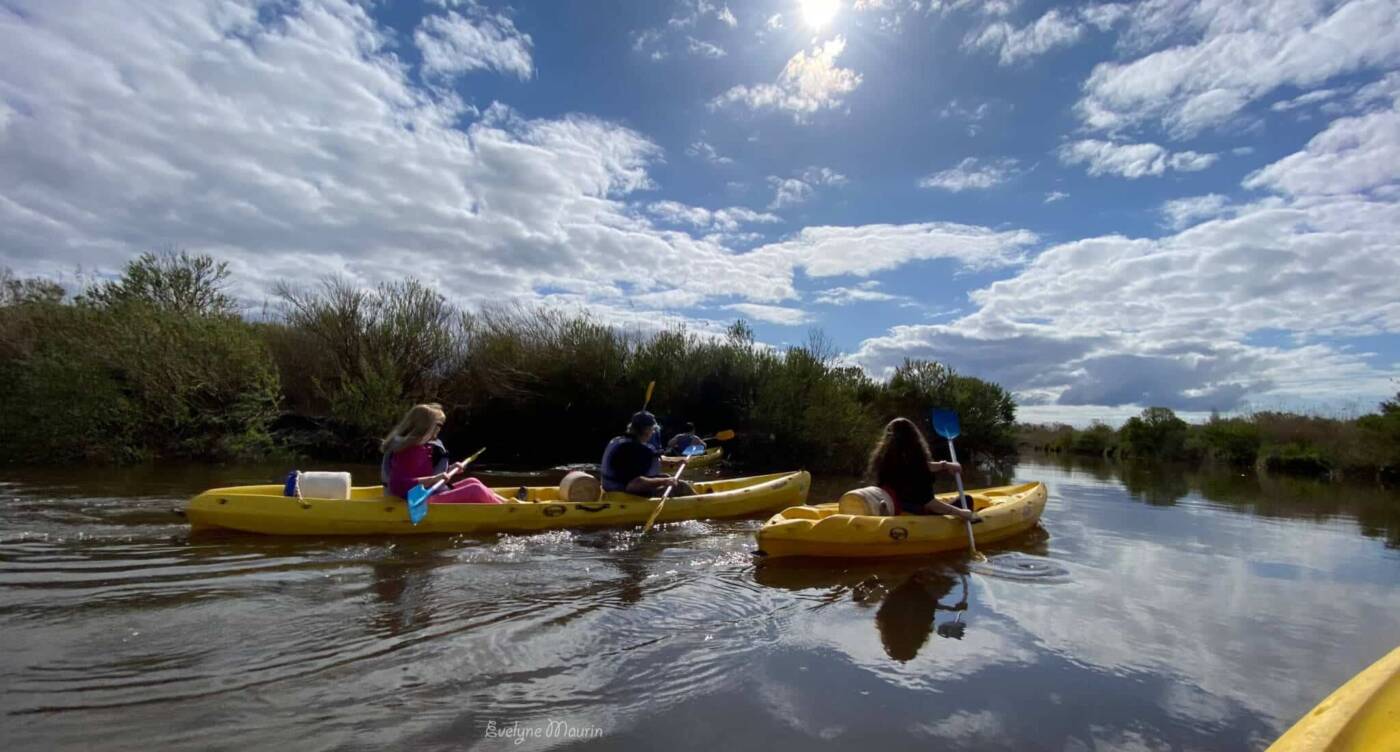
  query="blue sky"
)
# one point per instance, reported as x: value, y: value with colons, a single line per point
x: 1101, y: 206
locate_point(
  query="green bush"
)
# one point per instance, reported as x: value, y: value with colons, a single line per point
x: 1234, y: 441
x: 120, y: 377
x: 1156, y: 434
x: 1098, y: 439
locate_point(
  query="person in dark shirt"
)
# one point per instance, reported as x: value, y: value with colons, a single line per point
x: 903, y: 466
x: 686, y: 438
x: 631, y: 464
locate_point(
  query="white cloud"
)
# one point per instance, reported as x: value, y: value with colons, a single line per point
x: 725, y: 220
x: 772, y: 314
x: 703, y: 150
x: 1191, y: 161
x: 1240, y: 53
x: 808, y: 83
x: 788, y: 192
x: 453, y: 44
x: 1353, y: 155
x: 971, y: 115
x: 1105, y: 15
x: 1131, y: 160
x: 1013, y: 45
x: 1303, y: 100
x: 704, y: 49
x: 1054, y: 196
x: 865, y: 292
x: 1385, y: 91
x: 801, y: 188
x: 774, y: 22
x: 864, y: 250
x: 1182, y: 212
x: 657, y: 42
x: 822, y: 176
x: 1117, y: 321
x: 972, y: 174
x: 300, y: 145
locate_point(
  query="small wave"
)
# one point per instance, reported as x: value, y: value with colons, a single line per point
x: 1014, y: 566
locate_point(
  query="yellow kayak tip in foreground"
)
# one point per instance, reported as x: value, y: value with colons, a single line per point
x: 822, y: 530
x: 1362, y: 715
x: 369, y: 511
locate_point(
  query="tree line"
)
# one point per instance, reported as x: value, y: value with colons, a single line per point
x: 160, y: 363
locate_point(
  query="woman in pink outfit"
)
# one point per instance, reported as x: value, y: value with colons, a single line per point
x: 413, y: 455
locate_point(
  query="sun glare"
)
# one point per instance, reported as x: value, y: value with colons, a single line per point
x: 818, y: 13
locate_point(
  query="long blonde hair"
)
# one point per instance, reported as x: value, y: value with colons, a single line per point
x: 415, y: 427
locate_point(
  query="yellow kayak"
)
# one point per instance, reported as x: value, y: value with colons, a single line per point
x: 821, y: 530
x: 710, y: 457
x: 1363, y: 714
x: 369, y: 511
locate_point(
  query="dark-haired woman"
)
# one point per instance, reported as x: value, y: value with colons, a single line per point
x: 903, y: 466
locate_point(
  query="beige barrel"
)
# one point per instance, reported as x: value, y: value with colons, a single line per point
x: 580, y: 486
x: 871, y: 501
x: 323, y: 485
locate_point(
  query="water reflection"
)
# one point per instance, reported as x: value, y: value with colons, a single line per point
x: 403, y: 587
x: 906, y: 595
x: 908, y: 614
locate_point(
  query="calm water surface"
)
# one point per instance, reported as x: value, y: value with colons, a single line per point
x: 1155, y: 610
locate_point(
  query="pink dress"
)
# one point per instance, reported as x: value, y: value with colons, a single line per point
x: 411, y: 463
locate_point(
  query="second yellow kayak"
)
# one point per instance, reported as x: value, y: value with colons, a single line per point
x: 369, y: 511
x: 710, y: 457
x: 1362, y: 715
x: 822, y: 530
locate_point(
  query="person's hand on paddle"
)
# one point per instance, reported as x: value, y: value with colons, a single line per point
x: 944, y: 466
x: 966, y: 514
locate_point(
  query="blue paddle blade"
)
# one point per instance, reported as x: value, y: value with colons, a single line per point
x: 693, y: 450
x: 417, y: 504
x: 945, y: 422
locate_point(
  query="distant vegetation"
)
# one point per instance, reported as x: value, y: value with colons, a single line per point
x: 1368, y: 446
x: 159, y: 363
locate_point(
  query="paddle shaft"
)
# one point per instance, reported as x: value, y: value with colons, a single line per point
x: 957, y: 477
x: 665, y: 495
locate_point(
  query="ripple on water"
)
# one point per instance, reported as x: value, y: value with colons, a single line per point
x: 1022, y: 568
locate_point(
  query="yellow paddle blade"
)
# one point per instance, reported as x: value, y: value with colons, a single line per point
x: 724, y: 435
x: 650, y: 388
x: 470, y: 459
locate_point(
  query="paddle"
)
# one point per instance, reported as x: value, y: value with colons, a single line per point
x: 945, y: 422
x: 418, y: 495
x: 689, y: 452
x: 651, y: 387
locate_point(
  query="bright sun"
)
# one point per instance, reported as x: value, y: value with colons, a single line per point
x: 818, y: 13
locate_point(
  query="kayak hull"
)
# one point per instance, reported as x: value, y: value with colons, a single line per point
x: 369, y: 511
x: 710, y: 457
x: 1363, y: 714
x: 822, y: 531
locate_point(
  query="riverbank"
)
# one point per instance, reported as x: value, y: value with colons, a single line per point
x: 1364, y: 448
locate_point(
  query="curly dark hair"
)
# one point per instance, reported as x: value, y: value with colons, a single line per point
x: 900, y: 461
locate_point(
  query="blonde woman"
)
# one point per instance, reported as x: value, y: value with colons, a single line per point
x: 413, y: 455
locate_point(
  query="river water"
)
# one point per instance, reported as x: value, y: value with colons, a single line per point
x: 1157, y: 609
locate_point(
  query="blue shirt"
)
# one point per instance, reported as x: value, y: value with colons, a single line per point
x: 625, y: 460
